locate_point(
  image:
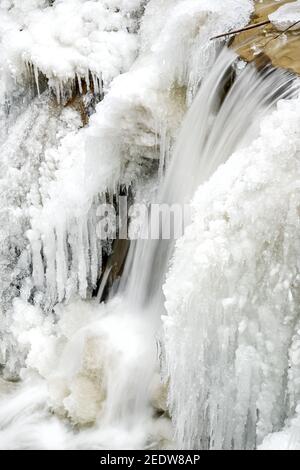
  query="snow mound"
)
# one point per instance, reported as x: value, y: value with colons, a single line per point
x: 287, y: 439
x: 82, y: 365
x: 286, y: 16
x: 70, y: 38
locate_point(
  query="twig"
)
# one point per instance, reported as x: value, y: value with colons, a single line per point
x: 252, y: 26
x: 281, y: 33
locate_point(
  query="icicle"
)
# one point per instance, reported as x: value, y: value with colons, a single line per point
x: 61, y: 264
x: 36, y: 77
x: 94, y: 265
x: 86, y: 246
x: 27, y: 69
x: 79, y: 83
x: 50, y: 256
x: 72, y: 243
x: 101, y: 85
x: 57, y: 91
x: 73, y: 86
x: 95, y: 83
x: 37, y: 262
x: 82, y: 250
x: 87, y: 81
x: 163, y: 151
x: 31, y: 73
x: 61, y: 89
x: 103, y: 283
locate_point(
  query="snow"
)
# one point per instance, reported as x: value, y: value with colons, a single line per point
x: 287, y: 439
x: 26, y: 170
x: 81, y: 363
x: 286, y: 16
x: 232, y: 298
x: 70, y: 38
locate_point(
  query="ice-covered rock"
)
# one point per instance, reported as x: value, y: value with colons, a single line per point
x: 88, y: 356
x: 232, y: 296
x: 286, y: 16
x: 137, y: 120
x: 159, y: 394
x: 271, y: 39
x: 286, y: 439
x: 70, y: 38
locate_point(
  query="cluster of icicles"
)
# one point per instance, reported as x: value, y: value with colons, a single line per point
x: 62, y: 87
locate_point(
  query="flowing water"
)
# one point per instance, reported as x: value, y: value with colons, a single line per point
x: 213, y: 129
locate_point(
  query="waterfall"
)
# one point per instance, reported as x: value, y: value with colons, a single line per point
x: 210, y: 133
x: 213, y: 129
x: 222, y: 119
x: 232, y: 290
x: 182, y: 353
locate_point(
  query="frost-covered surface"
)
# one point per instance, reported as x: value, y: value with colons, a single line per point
x: 28, y: 151
x: 88, y: 360
x: 286, y: 16
x: 287, y: 439
x: 69, y: 38
x: 142, y: 109
x: 26, y: 424
x: 232, y: 330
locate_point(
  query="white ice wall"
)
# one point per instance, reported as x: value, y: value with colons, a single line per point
x: 233, y: 296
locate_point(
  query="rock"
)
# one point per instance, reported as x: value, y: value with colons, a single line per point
x: 6, y: 386
x: 162, y: 436
x: 159, y: 394
x: 282, y: 50
x: 81, y: 395
x: 286, y: 16
x: 85, y: 400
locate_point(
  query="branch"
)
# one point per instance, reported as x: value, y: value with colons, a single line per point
x: 281, y: 33
x: 252, y: 26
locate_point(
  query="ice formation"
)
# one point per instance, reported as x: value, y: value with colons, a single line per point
x: 28, y: 165
x: 142, y: 107
x: 233, y: 296
x: 89, y: 351
x: 66, y: 40
x: 286, y: 17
